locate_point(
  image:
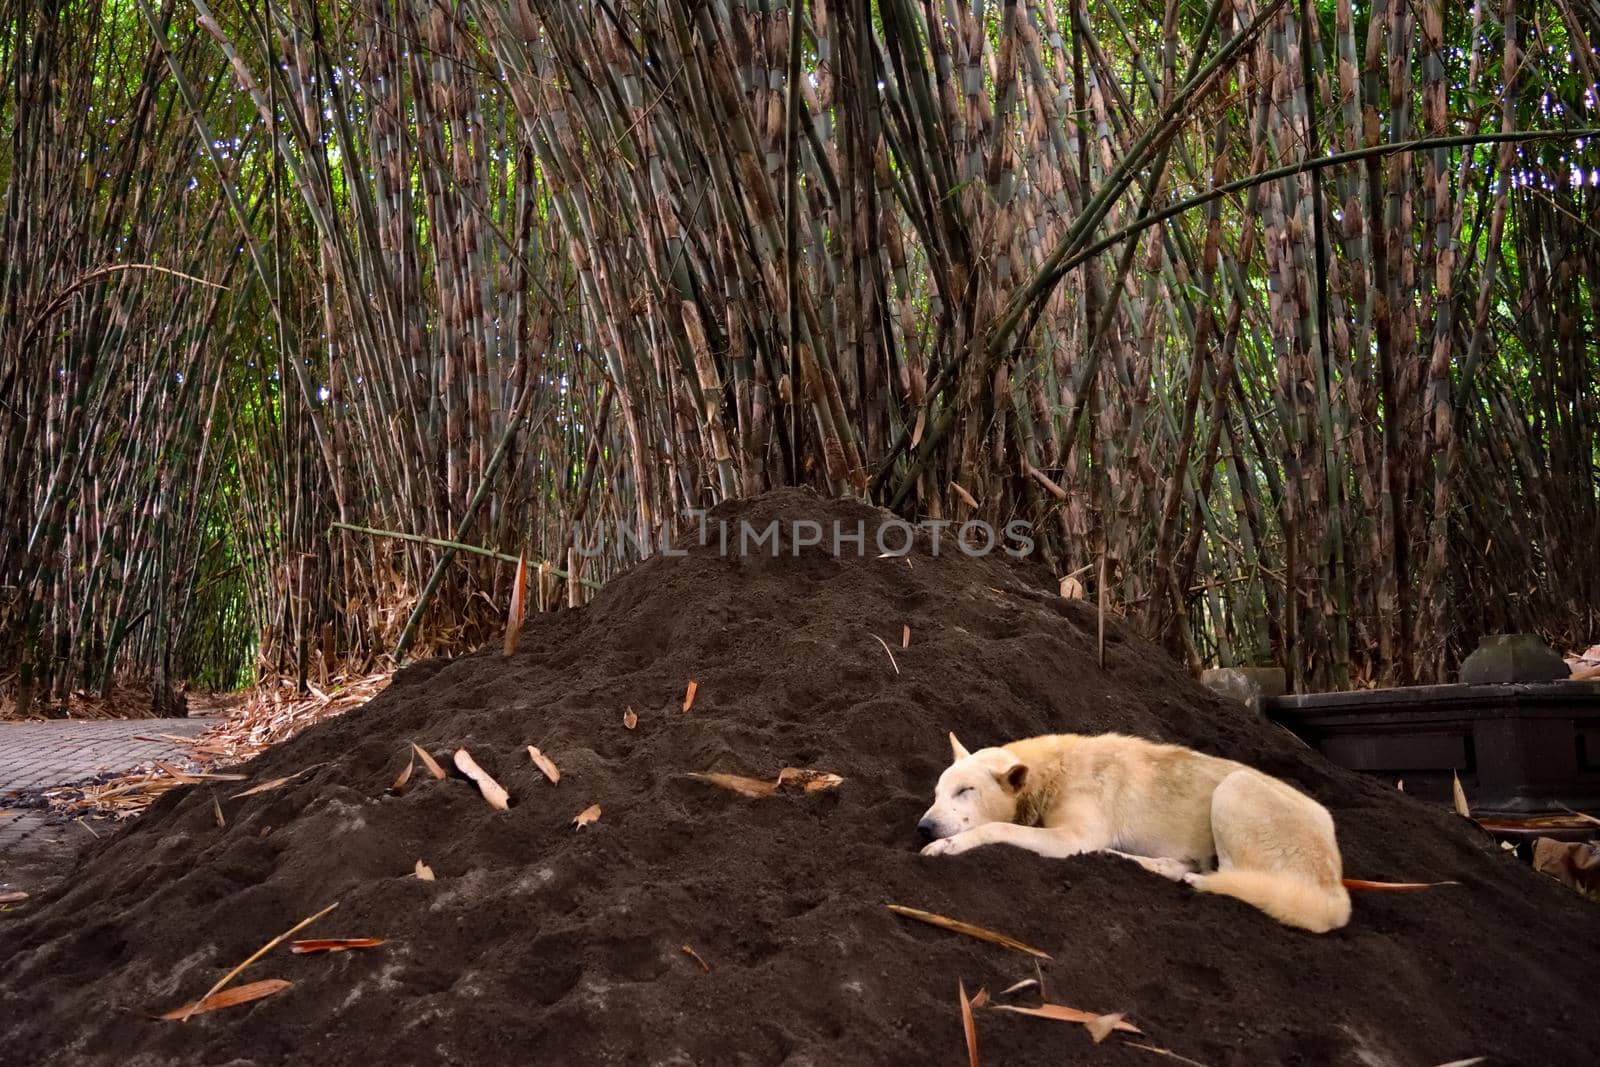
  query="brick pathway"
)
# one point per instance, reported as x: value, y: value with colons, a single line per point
x: 38, y: 849
x: 35, y: 755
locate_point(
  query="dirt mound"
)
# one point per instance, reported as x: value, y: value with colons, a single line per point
x: 540, y: 942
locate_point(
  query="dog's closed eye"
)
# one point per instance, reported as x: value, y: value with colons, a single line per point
x: 963, y: 792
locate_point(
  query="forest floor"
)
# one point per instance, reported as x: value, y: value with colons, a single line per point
x: 634, y: 912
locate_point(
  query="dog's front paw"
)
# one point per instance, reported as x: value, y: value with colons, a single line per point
x: 945, y: 846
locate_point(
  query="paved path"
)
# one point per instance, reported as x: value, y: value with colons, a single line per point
x: 38, y: 849
x: 36, y: 755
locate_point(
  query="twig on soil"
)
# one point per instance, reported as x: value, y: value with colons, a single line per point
x: 692, y: 954
x: 970, y: 930
x: 256, y: 955
x: 886, y: 648
x: 1171, y: 1055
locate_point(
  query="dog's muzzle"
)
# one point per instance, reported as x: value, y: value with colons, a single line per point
x: 927, y: 830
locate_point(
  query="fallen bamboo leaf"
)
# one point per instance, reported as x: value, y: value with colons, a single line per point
x: 1018, y: 987
x: 586, y: 816
x: 540, y: 760
x: 692, y: 954
x: 429, y: 762
x: 182, y: 776
x: 905, y: 636
x: 332, y: 944
x: 1070, y: 588
x: 423, y: 871
x: 966, y: 497
x: 1471, y: 1061
x: 1459, y: 795
x: 404, y: 776
x: 980, y: 998
x: 629, y: 719
x: 968, y: 1025
x: 812, y: 781
x: 277, y: 783
x: 885, y: 645
x: 1100, y: 1026
x: 688, y: 696
x: 737, y: 783
x: 262, y: 951
x: 519, y: 594
x: 15, y: 896
x: 968, y: 929
x: 1362, y: 883
x: 216, y: 811
x: 1062, y: 1013
x: 492, y: 791
x: 238, y: 995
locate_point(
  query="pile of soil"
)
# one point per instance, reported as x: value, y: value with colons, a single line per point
x: 542, y: 942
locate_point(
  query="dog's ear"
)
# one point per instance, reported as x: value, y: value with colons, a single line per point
x: 1013, y: 775
x: 957, y: 748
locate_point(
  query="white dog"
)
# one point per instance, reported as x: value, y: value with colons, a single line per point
x: 1169, y: 809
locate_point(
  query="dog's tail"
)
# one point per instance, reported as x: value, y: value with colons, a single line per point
x: 1290, y: 900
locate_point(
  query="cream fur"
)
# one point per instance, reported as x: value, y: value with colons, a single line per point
x: 1219, y: 825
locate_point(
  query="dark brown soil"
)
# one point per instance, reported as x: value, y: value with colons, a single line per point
x: 544, y: 943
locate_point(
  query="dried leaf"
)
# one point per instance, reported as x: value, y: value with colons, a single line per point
x: 966, y: 928
x: 966, y: 497
x: 692, y: 954
x: 216, y: 812
x: 688, y: 696
x: 629, y: 719
x: 1362, y: 883
x: 1071, y: 588
x: 492, y: 791
x: 1460, y: 796
x: 423, y: 871
x: 551, y: 771
x: 332, y: 944
x: 277, y: 783
x: 404, y: 776
x: 812, y: 781
x: 429, y: 762
x: 1100, y: 1026
x: 1062, y: 1013
x: 905, y: 636
x: 980, y: 999
x: 587, y: 816
x: 519, y: 596
x: 1472, y: 1061
x: 256, y: 955
x: 243, y: 994
x: 968, y: 1025
x: 1018, y: 987
x: 14, y: 896
x: 737, y: 783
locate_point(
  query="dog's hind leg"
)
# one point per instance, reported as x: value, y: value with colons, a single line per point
x: 1165, y: 866
x: 1276, y: 851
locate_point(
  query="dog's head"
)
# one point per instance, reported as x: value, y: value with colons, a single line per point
x: 978, y: 787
